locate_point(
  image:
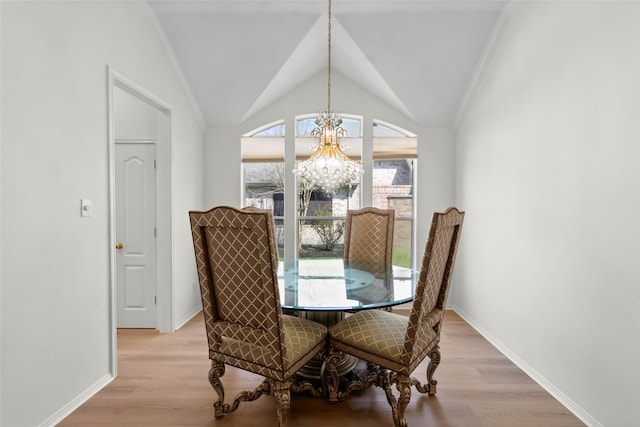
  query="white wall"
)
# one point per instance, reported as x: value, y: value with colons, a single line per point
x: 55, y: 313
x: 547, y: 169
x: 134, y: 119
x: 223, y: 173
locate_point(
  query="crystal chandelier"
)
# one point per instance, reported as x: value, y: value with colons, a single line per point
x: 329, y: 167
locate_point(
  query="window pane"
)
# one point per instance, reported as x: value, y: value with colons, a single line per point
x: 279, y: 230
x: 353, y: 126
x: 321, y: 238
x: 393, y: 189
x: 276, y: 130
x: 264, y: 186
x: 306, y: 125
x: 264, y: 189
x: 321, y: 218
x: 387, y: 130
x: 380, y: 130
x: 402, y: 242
x: 393, y: 185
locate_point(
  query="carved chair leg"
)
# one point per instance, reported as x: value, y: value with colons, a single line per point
x: 220, y: 408
x: 403, y: 384
x: 216, y: 371
x: 434, y: 361
x: 329, y: 374
x: 404, y: 388
x: 282, y: 393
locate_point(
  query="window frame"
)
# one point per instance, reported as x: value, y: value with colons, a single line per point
x: 293, y: 225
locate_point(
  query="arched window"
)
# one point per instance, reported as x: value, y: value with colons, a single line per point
x: 319, y: 222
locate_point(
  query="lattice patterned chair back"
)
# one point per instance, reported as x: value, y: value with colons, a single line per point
x: 236, y: 258
x: 368, y: 240
x: 395, y: 345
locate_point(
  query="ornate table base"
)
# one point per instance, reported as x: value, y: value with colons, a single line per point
x: 310, y: 376
x: 313, y: 368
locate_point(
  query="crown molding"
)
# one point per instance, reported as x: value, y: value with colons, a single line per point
x: 147, y: 12
x: 485, y: 58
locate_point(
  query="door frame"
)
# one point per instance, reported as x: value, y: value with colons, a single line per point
x: 164, y: 208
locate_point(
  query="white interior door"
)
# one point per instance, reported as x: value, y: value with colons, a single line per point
x: 135, y: 206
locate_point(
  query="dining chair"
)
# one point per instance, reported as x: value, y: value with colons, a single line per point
x: 368, y: 240
x: 394, y: 345
x: 236, y: 259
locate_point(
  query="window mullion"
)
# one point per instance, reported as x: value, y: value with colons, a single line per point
x: 290, y: 192
x: 367, y: 162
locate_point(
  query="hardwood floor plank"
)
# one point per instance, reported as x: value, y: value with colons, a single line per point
x: 162, y: 381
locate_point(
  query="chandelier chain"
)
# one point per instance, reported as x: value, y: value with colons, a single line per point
x: 329, y: 63
x: 328, y: 168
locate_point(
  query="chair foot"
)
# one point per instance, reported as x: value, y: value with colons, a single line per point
x: 329, y: 374
x: 215, y: 372
x: 403, y: 384
x: 282, y: 393
x: 434, y: 361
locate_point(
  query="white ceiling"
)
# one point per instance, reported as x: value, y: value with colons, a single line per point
x: 421, y: 57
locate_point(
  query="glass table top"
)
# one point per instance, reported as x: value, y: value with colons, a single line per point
x: 328, y: 285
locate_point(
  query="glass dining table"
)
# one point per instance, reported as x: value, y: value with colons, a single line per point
x: 330, y: 285
x: 324, y: 290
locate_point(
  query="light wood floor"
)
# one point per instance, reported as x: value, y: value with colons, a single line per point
x: 162, y: 381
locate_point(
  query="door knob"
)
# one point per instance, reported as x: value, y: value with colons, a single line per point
x: 118, y: 245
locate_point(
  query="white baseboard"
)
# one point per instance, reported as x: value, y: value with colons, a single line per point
x: 565, y: 400
x: 188, y: 317
x: 67, y: 409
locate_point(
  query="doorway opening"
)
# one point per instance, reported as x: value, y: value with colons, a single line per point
x: 139, y: 119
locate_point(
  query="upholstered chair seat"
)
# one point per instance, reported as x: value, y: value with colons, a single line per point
x: 301, y: 337
x: 379, y: 337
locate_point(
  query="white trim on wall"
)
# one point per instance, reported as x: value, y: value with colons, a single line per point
x: 0, y: 234
x: 67, y: 409
x: 485, y: 58
x: 164, y: 244
x: 146, y: 10
x: 561, y: 397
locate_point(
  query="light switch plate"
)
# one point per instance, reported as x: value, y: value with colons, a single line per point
x: 86, y: 208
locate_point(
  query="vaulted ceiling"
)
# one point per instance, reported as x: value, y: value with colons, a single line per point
x: 422, y: 57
